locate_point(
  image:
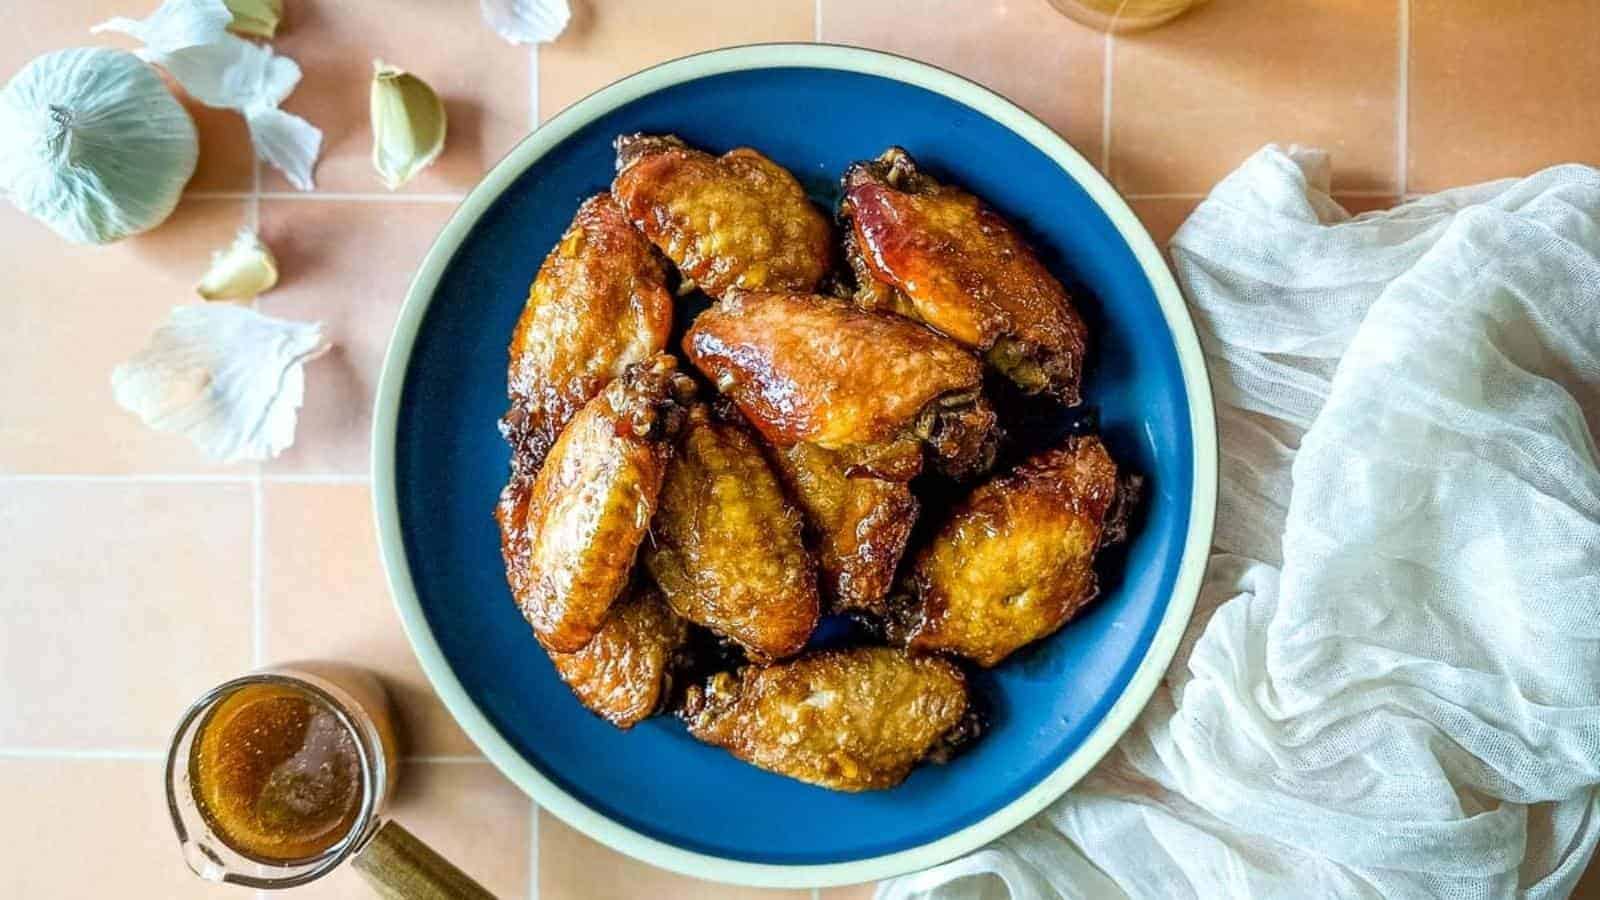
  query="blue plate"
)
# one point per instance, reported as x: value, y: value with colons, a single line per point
x: 654, y: 792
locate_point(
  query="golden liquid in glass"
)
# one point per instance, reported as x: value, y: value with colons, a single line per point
x: 275, y: 773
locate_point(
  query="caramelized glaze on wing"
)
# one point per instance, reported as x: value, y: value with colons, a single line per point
x: 858, y: 523
x: 1016, y: 560
x: 598, y: 305
x: 938, y: 254
x: 569, y: 535
x: 804, y: 368
x: 624, y: 673
x: 726, y: 545
x: 850, y: 720
x: 738, y: 220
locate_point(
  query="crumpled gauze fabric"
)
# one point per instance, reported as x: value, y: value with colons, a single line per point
x: 1391, y: 686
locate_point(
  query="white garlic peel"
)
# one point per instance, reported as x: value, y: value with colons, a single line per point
x: 227, y: 377
x: 527, y: 21
x: 189, y: 39
x: 246, y: 268
x: 94, y: 145
x: 256, y: 18
x: 408, y: 124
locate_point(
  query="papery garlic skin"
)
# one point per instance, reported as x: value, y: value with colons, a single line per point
x: 408, y: 124
x: 246, y: 268
x: 527, y: 21
x: 94, y: 145
x: 189, y: 39
x: 229, y: 378
x: 256, y: 18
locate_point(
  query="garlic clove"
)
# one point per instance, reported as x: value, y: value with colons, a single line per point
x: 240, y: 272
x: 408, y: 124
x: 527, y: 21
x: 256, y: 18
x: 229, y: 378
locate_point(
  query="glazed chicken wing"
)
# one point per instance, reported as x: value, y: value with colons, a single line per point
x: 569, y: 535
x: 804, y: 368
x: 940, y: 255
x: 1015, y: 562
x: 598, y: 305
x: 850, y: 720
x: 726, y: 545
x: 738, y: 220
x: 858, y: 523
x: 624, y: 673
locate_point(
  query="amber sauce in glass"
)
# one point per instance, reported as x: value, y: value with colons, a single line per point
x: 275, y: 773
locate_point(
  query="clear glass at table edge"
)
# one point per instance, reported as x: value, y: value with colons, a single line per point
x: 393, y: 861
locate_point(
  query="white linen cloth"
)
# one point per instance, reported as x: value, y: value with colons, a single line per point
x: 1391, y: 686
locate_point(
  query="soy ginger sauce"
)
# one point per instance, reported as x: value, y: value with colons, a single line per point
x: 276, y: 774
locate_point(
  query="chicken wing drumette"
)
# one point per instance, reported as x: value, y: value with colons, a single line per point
x: 624, y: 674
x: 599, y: 304
x: 938, y: 254
x: 726, y: 545
x: 738, y: 220
x: 569, y: 535
x: 858, y: 523
x: 850, y: 720
x: 810, y: 369
x: 1015, y: 561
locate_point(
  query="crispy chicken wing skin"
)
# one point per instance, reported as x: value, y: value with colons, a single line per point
x: 858, y: 523
x: 1015, y: 561
x: 805, y: 368
x: 624, y: 673
x: 599, y: 304
x: 569, y: 535
x: 850, y: 720
x: 738, y: 220
x: 726, y: 545
x: 939, y: 254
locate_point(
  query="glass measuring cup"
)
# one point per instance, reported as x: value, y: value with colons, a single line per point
x: 1118, y: 16
x: 349, y: 729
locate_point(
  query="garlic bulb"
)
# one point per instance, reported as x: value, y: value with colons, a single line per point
x: 229, y: 378
x: 408, y: 124
x: 94, y: 145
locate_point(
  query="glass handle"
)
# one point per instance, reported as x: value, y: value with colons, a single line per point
x: 400, y: 867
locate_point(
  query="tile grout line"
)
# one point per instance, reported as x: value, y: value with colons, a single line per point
x: 326, y: 195
x: 1403, y: 101
x: 533, y: 850
x: 258, y: 575
x: 533, y: 86
x: 1105, y: 109
x: 816, y: 894
x: 57, y: 753
x: 816, y: 21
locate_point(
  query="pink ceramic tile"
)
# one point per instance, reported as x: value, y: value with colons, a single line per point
x: 320, y: 568
x: 224, y: 142
x: 122, y: 603
x: 482, y: 80
x: 1025, y: 50
x: 346, y: 264
x: 573, y: 867
x: 70, y: 315
x: 92, y: 828
x: 609, y: 40
x: 1191, y: 99
x: 469, y: 813
x: 853, y: 892
x: 1162, y: 216
x: 1500, y: 89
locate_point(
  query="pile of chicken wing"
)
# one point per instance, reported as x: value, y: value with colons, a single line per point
x: 673, y: 533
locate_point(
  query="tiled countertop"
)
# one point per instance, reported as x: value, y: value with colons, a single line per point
x: 134, y: 575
